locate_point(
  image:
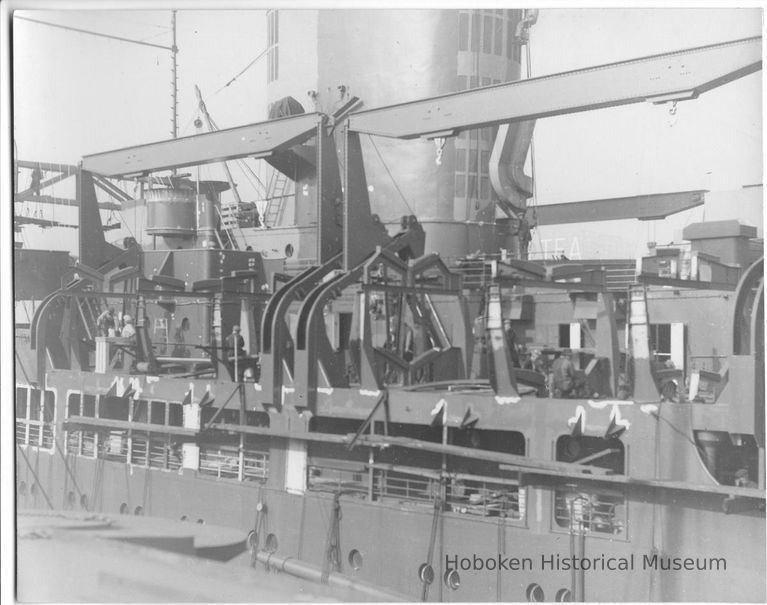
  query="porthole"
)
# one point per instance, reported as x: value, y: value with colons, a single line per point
x: 452, y: 579
x: 271, y: 543
x: 251, y: 541
x: 184, y: 518
x: 426, y: 573
x: 23, y: 488
x: 201, y: 521
x: 124, y: 508
x: 355, y: 559
x: 138, y: 511
x: 84, y: 501
x: 563, y: 596
x: 289, y: 250
x: 534, y: 593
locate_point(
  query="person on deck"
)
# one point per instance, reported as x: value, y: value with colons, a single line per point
x: 235, y: 350
x: 535, y: 362
x: 106, y: 322
x: 129, y: 330
x: 563, y: 374
x: 179, y: 339
x: 511, y: 342
x: 36, y: 181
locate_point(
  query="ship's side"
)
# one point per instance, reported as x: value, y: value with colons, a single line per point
x: 662, y: 491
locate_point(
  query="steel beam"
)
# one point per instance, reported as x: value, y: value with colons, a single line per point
x: 642, y: 207
x: 111, y: 189
x: 48, y: 182
x: 29, y: 220
x: 687, y: 284
x: 260, y: 139
x: 667, y: 77
x: 59, y: 201
x: 47, y: 166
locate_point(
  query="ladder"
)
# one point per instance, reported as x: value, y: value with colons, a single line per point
x: 275, y: 207
x: 229, y: 215
x: 226, y: 235
x: 89, y: 310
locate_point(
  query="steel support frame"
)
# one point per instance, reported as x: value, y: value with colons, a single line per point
x: 674, y: 76
x: 642, y: 207
x: 256, y: 140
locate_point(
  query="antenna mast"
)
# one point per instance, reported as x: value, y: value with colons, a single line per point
x: 174, y: 81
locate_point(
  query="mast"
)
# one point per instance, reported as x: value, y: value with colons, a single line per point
x: 174, y: 80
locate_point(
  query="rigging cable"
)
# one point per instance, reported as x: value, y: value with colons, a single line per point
x: 656, y: 538
x: 393, y: 180
x: 70, y: 473
x: 679, y: 431
x: 165, y: 33
x: 92, y: 33
x: 243, y: 167
x: 36, y: 478
x: 246, y: 68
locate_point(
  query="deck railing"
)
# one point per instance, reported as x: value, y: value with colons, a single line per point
x: 255, y: 465
x: 87, y: 444
x: 231, y: 463
x: 139, y: 451
x: 486, y: 498
x: 590, y: 512
x: 116, y: 446
x: 222, y: 463
x: 464, y: 493
x: 34, y: 432
x: 324, y: 477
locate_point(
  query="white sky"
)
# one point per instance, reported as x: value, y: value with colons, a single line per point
x: 641, y: 148
x: 76, y: 94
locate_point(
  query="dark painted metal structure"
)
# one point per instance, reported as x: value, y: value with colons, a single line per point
x: 657, y: 79
x: 385, y: 394
x: 642, y: 207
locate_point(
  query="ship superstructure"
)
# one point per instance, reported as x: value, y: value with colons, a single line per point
x: 381, y: 418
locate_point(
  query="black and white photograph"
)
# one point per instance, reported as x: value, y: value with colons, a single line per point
x: 377, y: 303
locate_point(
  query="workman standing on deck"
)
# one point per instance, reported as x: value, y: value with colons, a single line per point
x: 235, y: 350
x: 511, y: 342
x: 563, y: 375
x: 106, y: 322
x: 235, y: 344
x: 129, y: 330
